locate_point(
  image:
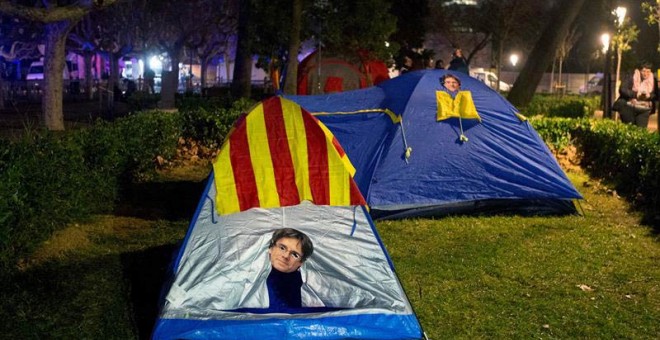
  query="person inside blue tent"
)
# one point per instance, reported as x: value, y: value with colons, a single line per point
x: 288, y: 249
x: 451, y: 83
x: 455, y: 103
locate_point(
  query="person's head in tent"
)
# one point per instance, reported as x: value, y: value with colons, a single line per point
x: 451, y: 83
x: 288, y: 249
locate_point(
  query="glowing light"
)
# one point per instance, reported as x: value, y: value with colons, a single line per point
x: 155, y: 63
x: 620, y: 13
x: 514, y: 59
x: 605, y: 40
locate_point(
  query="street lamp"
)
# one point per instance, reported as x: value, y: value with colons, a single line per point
x: 514, y: 59
x: 607, y: 86
x: 620, y: 13
x: 605, y: 40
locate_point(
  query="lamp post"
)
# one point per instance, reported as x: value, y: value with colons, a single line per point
x: 513, y: 58
x: 620, y: 13
x: 607, y: 85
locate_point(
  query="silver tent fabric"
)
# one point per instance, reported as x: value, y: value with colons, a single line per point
x: 225, y: 264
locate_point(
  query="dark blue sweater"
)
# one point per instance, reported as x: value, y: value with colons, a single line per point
x: 284, y: 290
x: 284, y: 295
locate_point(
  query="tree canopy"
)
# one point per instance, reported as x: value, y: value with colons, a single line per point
x: 544, y: 51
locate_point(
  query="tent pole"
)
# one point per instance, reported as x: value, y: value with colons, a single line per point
x: 318, y: 68
x: 408, y: 150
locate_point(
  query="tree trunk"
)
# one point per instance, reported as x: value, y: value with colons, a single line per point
x: 204, y: 65
x: 51, y: 101
x: 552, y: 77
x: 291, y: 85
x: 89, y: 77
x: 561, y: 75
x: 617, y: 83
x: 227, y: 69
x: 113, y: 80
x: 170, y: 82
x: 241, y: 85
x: 544, y: 51
x: 2, y: 93
x: 500, y: 51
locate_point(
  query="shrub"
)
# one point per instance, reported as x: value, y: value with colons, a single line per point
x: 627, y: 156
x: 142, y: 100
x: 566, y: 106
x: 48, y: 180
x: 557, y: 132
x: 208, y: 122
x: 143, y: 137
x: 44, y: 185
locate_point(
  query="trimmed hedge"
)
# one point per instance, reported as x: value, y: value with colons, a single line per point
x: 557, y: 132
x: 569, y: 106
x: 626, y: 156
x: 209, y: 121
x: 42, y: 186
x: 49, y: 179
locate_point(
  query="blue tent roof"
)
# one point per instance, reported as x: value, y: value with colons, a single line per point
x: 504, y: 164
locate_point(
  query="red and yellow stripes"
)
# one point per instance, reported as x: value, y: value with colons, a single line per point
x: 280, y: 155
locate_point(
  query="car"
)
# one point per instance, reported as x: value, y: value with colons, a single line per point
x: 490, y: 79
x: 36, y: 71
x: 593, y: 87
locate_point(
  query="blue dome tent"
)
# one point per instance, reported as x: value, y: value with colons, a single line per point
x: 413, y: 159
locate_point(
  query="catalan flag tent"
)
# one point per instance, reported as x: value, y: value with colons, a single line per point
x: 419, y: 151
x: 281, y: 167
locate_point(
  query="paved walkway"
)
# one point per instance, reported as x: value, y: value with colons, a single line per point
x: 653, y: 122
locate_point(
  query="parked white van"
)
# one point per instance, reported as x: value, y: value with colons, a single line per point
x: 490, y: 79
x: 36, y: 71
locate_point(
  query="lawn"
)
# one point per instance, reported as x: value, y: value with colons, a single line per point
x: 591, y: 276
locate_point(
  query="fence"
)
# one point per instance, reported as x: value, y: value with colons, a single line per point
x: 570, y: 82
x: 32, y: 90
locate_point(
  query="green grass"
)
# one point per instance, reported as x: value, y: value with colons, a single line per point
x: 595, y: 276
x: 93, y: 281
x: 510, y: 277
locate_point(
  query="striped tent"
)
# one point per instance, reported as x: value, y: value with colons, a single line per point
x: 281, y: 167
x: 272, y: 159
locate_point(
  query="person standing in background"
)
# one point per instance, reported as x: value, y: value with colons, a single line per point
x: 458, y: 62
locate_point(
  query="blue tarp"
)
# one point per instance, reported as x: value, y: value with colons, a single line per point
x: 503, y: 165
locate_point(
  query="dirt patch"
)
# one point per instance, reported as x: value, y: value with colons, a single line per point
x: 568, y: 158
